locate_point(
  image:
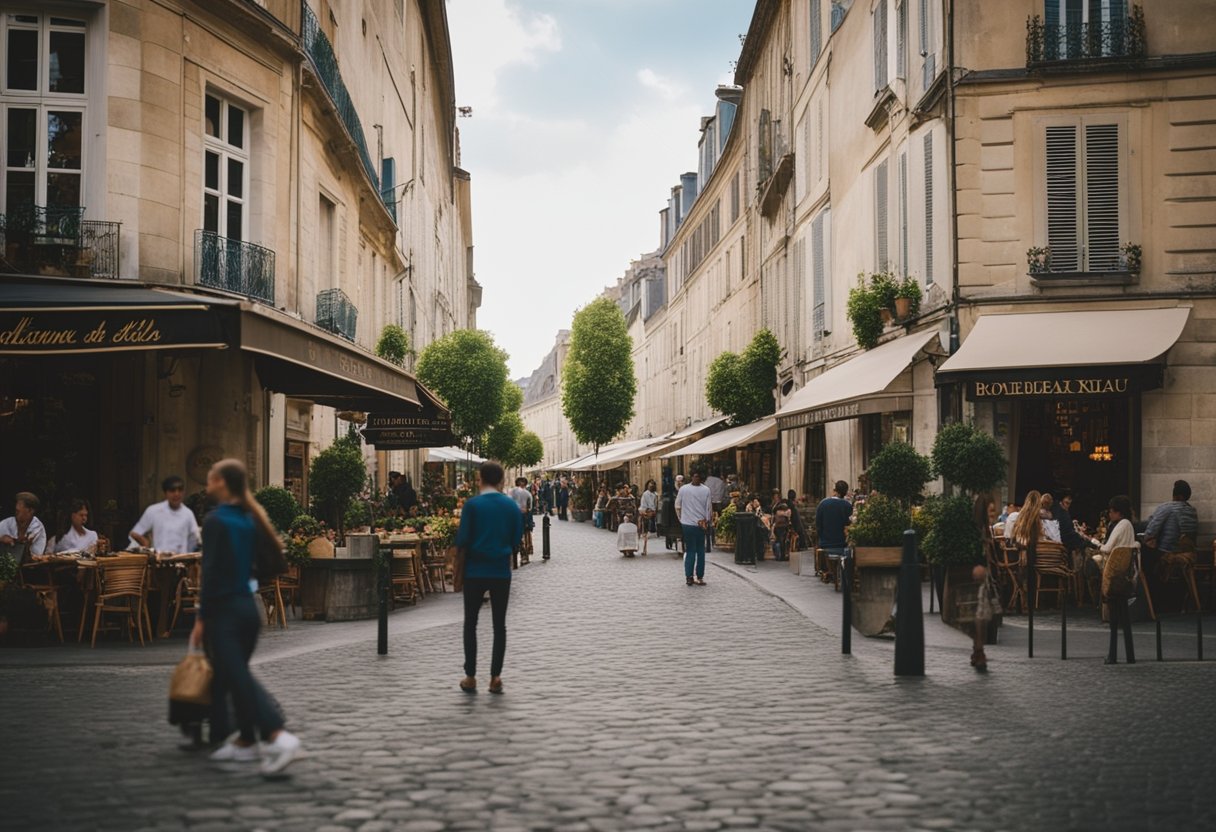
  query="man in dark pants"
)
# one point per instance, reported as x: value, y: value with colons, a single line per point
x: 491, y: 525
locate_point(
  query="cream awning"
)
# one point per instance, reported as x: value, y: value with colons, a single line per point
x: 615, y: 455
x: 565, y: 466
x: 453, y: 454
x: 761, y: 431
x: 864, y: 384
x: 1033, y: 340
x: 696, y: 428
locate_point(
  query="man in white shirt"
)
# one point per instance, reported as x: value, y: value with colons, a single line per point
x: 168, y: 526
x: 696, y: 510
x: 523, y: 498
x: 24, y: 527
x: 648, y: 509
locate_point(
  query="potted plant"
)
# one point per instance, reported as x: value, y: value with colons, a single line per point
x: 1129, y: 258
x: 724, y: 528
x: 281, y: 506
x: 1038, y: 259
x: 583, y: 500
x: 907, y: 298
x: 337, y: 475
x: 885, y: 288
x: 877, y: 535
x: 864, y: 311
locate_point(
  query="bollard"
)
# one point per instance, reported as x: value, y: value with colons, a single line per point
x: 545, y: 535
x: 386, y: 589
x: 846, y: 587
x: 1199, y: 630
x: 909, y: 618
x: 1063, y: 626
x: 1032, y: 598
x: 1160, y: 658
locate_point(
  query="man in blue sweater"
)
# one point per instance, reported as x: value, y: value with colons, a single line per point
x: 490, y: 528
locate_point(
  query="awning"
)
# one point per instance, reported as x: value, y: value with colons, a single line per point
x: 1065, y: 353
x: 565, y: 466
x: 453, y: 454
x: 872, y: 382
x: 615, y: 455
x: 57, y: 316
x: 694, y: 429
x: 764, y: 430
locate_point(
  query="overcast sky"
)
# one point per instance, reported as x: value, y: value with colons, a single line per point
x: 585, y: 112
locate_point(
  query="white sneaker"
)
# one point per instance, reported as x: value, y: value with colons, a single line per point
x: 230, y: 752
x: 277, y: 755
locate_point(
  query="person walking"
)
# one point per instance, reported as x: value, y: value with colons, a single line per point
x: 648, y: 510
x: 546, y: 496
x: 695, y: 511
x: 490, y: 526
x: 228, y: 620
x: 563, y: 499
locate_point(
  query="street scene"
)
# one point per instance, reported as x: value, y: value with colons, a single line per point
x: 372, y: 459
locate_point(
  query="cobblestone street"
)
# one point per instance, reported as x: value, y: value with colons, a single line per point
x: 632, y: 701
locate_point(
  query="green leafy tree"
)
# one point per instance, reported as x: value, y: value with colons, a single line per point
x: 969, y: 458
x: 598, y: 383
x: 505, y: 432
x: 394, y: 345
x: 527, y: 451
x: 741, y: 385
x: 336, y: 477
x: 280, y: 505
x: 469, y: 372
x: 899, y: 472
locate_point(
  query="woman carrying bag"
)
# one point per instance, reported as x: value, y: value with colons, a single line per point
x: 229, y: 620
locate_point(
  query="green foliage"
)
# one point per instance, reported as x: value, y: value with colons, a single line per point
x: 741, y: 385
x: 969, y: 458
x: 951, y: 537
x: 469, y: 372
x: 724, y: 528
x: 885, y: 287
x: 864, y: 310
x: 394, y: 345
x: 882, y: 521
x: 280, y: 505
x: 909, y: 288
x: 898, y: 471
x: 583, y: 497
x: 501, y: 439
x: 8, y: 568
x: 527, y: 451
x: 598, y: 382
x: 336, y: 476
x: 301, y: 531
x: 357, y: 514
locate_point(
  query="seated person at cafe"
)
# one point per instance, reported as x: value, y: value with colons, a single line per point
x: 832, y: 516
x: 1121, y: 534
x: 1062, y: 514
x: 24, y: 527
x: 1051, y: 526
x: 168, y: 526
x: 77, y: 538
x: 1011, y: 522
x: 1173, y: 521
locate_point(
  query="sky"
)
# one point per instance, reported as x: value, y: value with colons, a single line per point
x: 585, y: 113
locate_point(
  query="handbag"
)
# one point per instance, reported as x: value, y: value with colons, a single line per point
x: 1121, y: 573
x: 458, y: 561
x: 191, y: 680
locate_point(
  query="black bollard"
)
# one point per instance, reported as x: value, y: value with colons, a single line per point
x: 545, y: 535
x: 1199, y: 630
x: 1160, y: 656
x: 909, y: 617
x: 1032, y: 598
x: 386, y: 588
x: 845, y: 565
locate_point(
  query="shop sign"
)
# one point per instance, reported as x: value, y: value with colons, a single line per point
x: 407, y: 431
x: 845, y: 410
x: 102, y: 330
x: 1051, y: 387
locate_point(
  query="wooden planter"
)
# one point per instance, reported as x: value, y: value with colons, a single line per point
x: 877, y: 577
x: 339, y: 589
x: 865, y: 557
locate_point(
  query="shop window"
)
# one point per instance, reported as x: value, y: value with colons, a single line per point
x: 815, y: 482
x: 1082, y: 190
x: 881, y: 429
x: 225, y: 168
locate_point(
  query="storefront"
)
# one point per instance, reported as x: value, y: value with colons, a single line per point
x: 1064, y: 392
x: 749, y: 451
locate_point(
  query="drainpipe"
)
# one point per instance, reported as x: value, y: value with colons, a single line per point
x: 956, y: 398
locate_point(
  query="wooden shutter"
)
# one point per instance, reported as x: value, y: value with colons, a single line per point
x: 929, y: 62
x: 928, y: 208
x: 1062, y: 199
x: 903, y: 212
x: 1101, y: 196
x: 816, y: 30
x: 880, y: 45
x: 880, y: 216
x: 819, y: 142
x: 818, y: 311
x: 901, y: 40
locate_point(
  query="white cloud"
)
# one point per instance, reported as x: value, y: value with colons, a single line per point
x: 497, y: 37
x: 665, y: 87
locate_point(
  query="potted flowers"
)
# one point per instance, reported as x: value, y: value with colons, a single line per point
x: 907, y: 298
x: 1038, y: 259
x: 1129, y: 258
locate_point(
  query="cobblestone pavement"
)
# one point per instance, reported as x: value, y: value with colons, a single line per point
x: 632, y: 701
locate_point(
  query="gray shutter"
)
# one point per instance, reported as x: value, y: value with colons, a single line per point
x: 819, y: 150
x: 816, y: 30
x: 880, y: 216
x: 929, y: 63
x: 817, y: 278
x: 1102, y: 196
x: 901, y: 41
x: 928, y: 208
x: 1062, y: 201
x: 903, y: 212
x: 880, y: 45
x: 923, y: 21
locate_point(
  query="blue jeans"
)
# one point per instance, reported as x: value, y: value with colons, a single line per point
x: 232, y: 625
x: 599, y: 519
x: 694, y: 551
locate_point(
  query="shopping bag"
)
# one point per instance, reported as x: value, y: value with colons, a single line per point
x: 191, y: 682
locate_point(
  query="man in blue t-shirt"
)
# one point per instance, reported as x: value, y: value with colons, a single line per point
x: 832, y: 516
x: 491, y: 525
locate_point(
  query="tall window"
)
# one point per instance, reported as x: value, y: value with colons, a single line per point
x: 881, y: 257
x: 225, y: 168
x: 43, y: 97
x: 327, y: 272
x: 928, y: 58
x: 1083, y: 195
x: 880, y: 45
x: 903, y: 212
x: 820, y: 236
x: 901, y: 40
x: 1083, y: 27
x: 816, y: 30
x: 928, y: 208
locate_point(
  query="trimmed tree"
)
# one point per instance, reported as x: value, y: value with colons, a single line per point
x: 469, y: 372
x: 394, y: 345
x: 527, y: 451
x: 280, y: 504
x: 335, y: 478
x: 967, y: 457
x: 598, y: 384
x: 740, y: 386
x: 899, y: 472
x: 504, y: 433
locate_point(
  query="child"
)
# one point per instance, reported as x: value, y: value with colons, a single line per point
x: 627, y: 536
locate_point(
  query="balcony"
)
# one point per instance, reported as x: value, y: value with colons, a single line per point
x: 58, y: 241
x: 234, y: 266
x: 336, y: 313
x: 1072, y: 44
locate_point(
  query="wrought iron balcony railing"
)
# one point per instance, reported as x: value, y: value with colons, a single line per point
x: 56, y: 240
x: 234, y: 266
x: 1118, y: 39
x: 336, y: 313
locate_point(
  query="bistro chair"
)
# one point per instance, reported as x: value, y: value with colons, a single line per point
x: 1203, y: 570
x: 272, y: 598
x: 188, y: 592
x: 289, y: 586
x: 1180, y: 566
x: 39, y: 578
x: 1009, y: 571
x: 405, y: 580
x: 123, y: 578
x: 436, y: 566
x: 1053, y: 561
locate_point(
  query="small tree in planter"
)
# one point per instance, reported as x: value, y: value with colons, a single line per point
x: 880, y: 525
x: 864, y: 310
x: 335, y: 478
x: 280, y: 505
x: 899, y: 472
x: 885, y: 288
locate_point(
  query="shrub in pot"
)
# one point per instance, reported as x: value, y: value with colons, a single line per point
x: 953, y: 544
x: 907, y: 298
x: 280, y: 505
x: 877, y: 534
x: 969, y: 458
x: 724, y: 528
x: 899, y: 472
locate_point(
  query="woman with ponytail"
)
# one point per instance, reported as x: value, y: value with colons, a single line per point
x: 228, y: 619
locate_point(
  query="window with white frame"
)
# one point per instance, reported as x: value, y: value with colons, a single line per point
x: 820, y: 240
x: 1079, y: 27
x: 880, y: 45
x: 881, y: 256
x: 1083, y: 192
x: 225, y: 168
x: 43, y: 100
x: 816, y: 13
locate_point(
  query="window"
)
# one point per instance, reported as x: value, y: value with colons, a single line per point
x: 903, y: 213
x: 225, y: 168
x: 929, y: 60
x: 42, y: 110
x: 880, y: 45
x: 819, y: 148
x: 881, y: 258
x: 819, y: 281
x: 326, y: 268
x: 1083, y: 195
x: 928, y: 208
x: 816, y: 30
x: 816, y: 482
x: 764, y: 144
x: 734, y: 198
x: 1092, y: 28
x: 901, y: 40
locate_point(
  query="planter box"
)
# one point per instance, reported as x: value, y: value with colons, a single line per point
x: 865, y: 557
x: 874, y: 599
x: 724, y: 545
x: 339, y: 589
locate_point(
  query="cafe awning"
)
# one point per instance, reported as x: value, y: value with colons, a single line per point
x: 453, y: 454
x: 617, y: 454
x: 1003, y: 347
x: 694, y: 429
x: 873, y: 382
x: 565, y: 466
x: 764, y: 430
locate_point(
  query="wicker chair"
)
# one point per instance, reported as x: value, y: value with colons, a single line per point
x: 272, y: 597
x: 1052, y: 560
x: 39, y: 578
x: 123, y: 578
x: 406, y: 582
x: 436, y: 565
x: 187, y: 592
x: 1180, y: 566
x: 1008, y: 562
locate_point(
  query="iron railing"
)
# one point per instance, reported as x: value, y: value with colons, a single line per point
x: 56, y: 240
x: 1121, y: 38
x: 234, y: 266
x: 336, y: 313
x: 325, y: 63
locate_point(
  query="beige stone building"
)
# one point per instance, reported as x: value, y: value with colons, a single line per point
x: 290, y: 170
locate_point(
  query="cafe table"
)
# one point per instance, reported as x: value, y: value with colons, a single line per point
x: 165, y: 570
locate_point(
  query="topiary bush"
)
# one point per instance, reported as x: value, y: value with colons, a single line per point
x: 280, y: 505
x: 882, y: 521
x: 336, y: 476
x: 951, y: 537
x: 898, y: 471
x: 969, y: 458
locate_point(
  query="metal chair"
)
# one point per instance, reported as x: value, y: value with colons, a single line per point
x: 436, y: 566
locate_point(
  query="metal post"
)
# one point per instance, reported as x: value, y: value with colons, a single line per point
x: 545, y: 534
x: 932, y: 586
x: 1158, y: 622
x: 909, y: 620
x: 1199, y: 631
x: 846, y: 586
x: 386, y: 588
x: 1032, y: 597
x: 1063, y: 626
